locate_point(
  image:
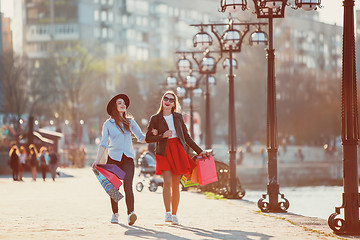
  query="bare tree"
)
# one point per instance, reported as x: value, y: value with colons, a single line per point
x: 15, y: 85
x: 77, y: 74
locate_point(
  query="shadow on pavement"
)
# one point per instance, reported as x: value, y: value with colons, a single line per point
x: 143, y: 232
x: 215, y: 234
x: 224, y: 234
x: 38, y: 175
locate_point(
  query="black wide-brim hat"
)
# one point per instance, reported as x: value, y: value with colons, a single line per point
x: 112, y: 102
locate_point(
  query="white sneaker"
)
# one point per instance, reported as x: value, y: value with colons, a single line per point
x: 115, y: 218
x: 168, y: 217
x: 175, y: 220
x: 132, y: 218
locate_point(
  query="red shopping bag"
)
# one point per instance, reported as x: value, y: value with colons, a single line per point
x: 206, y: 170
x: 110, y: 176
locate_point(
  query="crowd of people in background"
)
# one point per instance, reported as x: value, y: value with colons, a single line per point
x: 45, y: 160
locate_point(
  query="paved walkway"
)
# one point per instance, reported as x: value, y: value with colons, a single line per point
x: 76, y: 207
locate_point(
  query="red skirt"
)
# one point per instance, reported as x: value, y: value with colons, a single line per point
x: 175, y: 160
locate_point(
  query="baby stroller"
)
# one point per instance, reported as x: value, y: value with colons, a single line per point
x: 147, y: 165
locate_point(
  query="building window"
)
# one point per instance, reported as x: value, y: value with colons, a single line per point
x: 104, y: 33
x: 125, y: 20
x: 111, y: 17
x: 103, y: 16
x: 96, y: 15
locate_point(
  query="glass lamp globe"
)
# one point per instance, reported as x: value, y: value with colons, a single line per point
x: 184, y: 65
x: 202, y: 40
x: 181, y: 92
x: 191, y: 81
x: 207, y: 64
x: 171, y: 81
x: 231, y: 38
x: 232, y: 6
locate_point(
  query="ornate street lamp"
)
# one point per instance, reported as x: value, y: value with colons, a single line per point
x: 230, y: 41
x: 273, y: 9
x: 233, y: 5
x: 350, y: 224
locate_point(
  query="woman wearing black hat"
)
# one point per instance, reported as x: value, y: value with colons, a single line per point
x: 118, y: 129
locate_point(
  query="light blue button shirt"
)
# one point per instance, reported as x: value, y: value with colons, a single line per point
x: 120, y: 143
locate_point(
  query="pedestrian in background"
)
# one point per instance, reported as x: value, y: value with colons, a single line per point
x: 263, y: 157
x: 171, y: 158
x: 14, y: 162
x: 53, y: 162
x: 33, y: 160
x: 22, y: 160
x: 44, y: 161
x: 118, y: 129
x: 240, y: 157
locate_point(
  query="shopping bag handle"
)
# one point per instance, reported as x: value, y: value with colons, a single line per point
x: 96, y: 172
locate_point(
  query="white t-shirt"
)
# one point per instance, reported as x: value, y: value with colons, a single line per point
x: 170, y: 122
x: 22, y: 158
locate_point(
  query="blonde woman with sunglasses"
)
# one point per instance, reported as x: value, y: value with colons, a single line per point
x: 172, y: 161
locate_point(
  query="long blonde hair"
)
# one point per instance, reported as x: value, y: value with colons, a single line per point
x: 12, y: 149
x: 176, y: 108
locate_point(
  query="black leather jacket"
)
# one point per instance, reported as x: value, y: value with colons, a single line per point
x: 158, y: 122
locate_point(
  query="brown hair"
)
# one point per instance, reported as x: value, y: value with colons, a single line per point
x: 33, y: 149
x: 176, y: 107
x: 121, y: 120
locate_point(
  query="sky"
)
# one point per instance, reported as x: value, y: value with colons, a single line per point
x: 331, y: 12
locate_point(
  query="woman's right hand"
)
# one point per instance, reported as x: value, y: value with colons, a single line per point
x: 95, y: 164
x: 167, y: 134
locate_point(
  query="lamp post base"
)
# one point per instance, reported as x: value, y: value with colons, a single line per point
x: 272, y: 203
x: 349, y: 225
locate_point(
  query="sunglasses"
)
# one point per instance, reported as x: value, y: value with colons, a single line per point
x: 170, y: 100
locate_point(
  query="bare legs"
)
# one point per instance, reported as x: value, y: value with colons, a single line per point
x: 33, y: 172
x: 171, y: 191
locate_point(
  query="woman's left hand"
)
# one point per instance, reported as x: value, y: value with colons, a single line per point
x: 204, y: 154
x: 154, y: 131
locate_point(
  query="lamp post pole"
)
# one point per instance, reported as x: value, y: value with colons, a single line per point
x: 190, y: 90
x: 271, y: 128
x: 208, y: 137
x: 349, y: 132
x: 232, y: 128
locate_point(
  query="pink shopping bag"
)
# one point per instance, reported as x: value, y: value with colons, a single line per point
x: 206, y: 170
